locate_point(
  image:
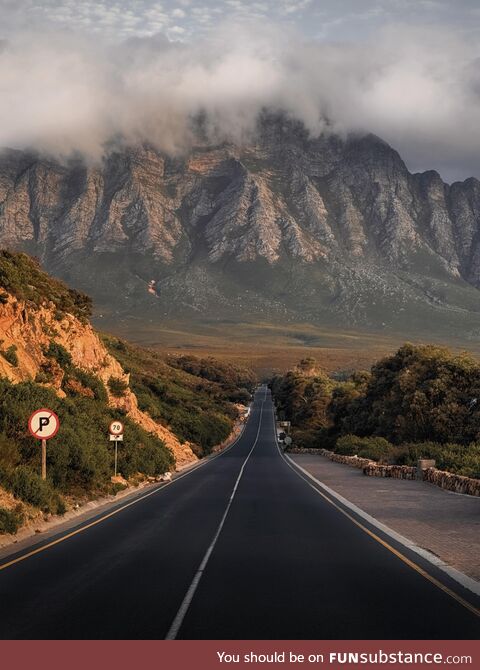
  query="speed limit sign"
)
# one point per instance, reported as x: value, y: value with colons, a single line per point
x: 116, y: 435
x: 116, y: 428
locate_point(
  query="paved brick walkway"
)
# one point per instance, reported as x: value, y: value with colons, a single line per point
x: 446, y: 524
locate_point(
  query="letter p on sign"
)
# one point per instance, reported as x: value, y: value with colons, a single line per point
x: 43, y: 424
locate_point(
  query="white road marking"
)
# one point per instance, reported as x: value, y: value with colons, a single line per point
x: 186, y: 602
x: 465, y: 581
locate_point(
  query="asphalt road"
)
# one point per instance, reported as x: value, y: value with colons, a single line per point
x: 240, y: 548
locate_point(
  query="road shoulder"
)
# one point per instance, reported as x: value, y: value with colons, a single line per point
x: 442, y: 527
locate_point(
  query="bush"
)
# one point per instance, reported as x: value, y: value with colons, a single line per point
x: 312, y: 439
x: 59, y: 354
x: 459, y: 459
x: 31, y: 488
x: 375, y: 448
x: 191, y: 396
x: 87, y: 381
x: 117, y: 387
x: 80, y: 457
x: 11, y: 355
x: 10, y: 520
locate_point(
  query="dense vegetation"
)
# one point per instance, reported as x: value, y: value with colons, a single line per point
x: 80, y: 458
x: 21, y: 276
x: 421, y: 401
x: 193, y: 397
x: 236, y: 382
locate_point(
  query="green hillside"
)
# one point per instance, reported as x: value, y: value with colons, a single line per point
x: 194, y: 398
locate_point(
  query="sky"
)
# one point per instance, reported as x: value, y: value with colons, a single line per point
x: 76, y: 74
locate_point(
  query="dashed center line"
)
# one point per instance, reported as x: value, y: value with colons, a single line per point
x: 186, y: 602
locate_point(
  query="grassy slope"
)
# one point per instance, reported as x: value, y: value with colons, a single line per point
x: 196, y: 408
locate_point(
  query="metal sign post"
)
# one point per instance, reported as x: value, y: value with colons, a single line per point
x: 116, y: 435
x: 43, y: 424
x: 44, y: 459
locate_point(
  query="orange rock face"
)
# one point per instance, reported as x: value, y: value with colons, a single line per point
x: 31, y: 330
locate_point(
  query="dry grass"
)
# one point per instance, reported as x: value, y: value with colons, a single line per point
x: 268, y: 347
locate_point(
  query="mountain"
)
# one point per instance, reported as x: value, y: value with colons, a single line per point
x: 287, y: 227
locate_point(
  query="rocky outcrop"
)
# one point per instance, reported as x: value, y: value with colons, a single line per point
x: 315, y: 226
x: 31, y: 329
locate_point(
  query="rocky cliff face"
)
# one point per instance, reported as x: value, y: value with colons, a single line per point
x: 318, y: 228
x: 31, y: 330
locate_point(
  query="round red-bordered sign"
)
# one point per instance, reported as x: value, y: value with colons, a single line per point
x: 116, y: 428
x: 43, y: 424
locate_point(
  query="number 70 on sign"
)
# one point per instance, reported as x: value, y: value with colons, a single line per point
x: 116, y: 431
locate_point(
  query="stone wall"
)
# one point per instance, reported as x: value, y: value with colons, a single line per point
x: 354, y: 461
x: 445, y: 480
x: 451, y: 482
x: 394, y: 471
x: 441, y: 478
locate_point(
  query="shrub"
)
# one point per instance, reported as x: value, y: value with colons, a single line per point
x: 31, y: 488
x: 10, y: 520
x: 375, y: 448
x: 192, y: 396
x: 11, y: 355
x: 43, y: 377
x: 312, y: 439
x: 420, y: 393
x: 459, y: 459
x: 116, y: 487
x: 9, y: 452
x: 79, y: 381
x: 117, y: 387
x: 59, y: 354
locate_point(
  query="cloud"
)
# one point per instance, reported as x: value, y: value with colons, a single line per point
x: 417, y: 88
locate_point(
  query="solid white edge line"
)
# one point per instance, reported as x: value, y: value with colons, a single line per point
x: 187, y: 600
x: 464, y: 580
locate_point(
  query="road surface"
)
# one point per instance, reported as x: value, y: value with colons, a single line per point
x: 242, y: 547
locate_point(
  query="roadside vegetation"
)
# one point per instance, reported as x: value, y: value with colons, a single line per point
x: 80, y: 458
x: 422, y: 401
x: 194, y: 397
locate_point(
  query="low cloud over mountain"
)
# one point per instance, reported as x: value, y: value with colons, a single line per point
x: 64, y: 90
